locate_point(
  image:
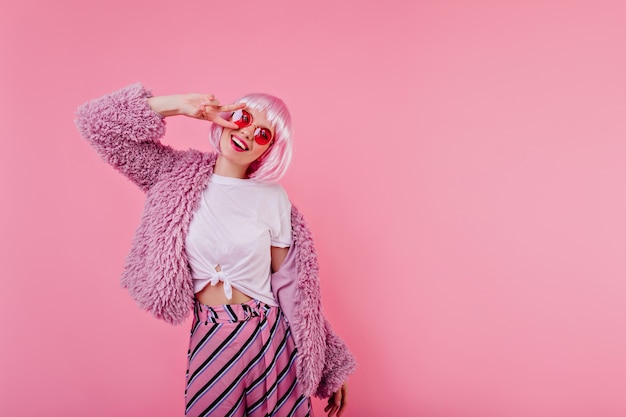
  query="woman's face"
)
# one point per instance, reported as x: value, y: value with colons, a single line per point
x: 239, y: 147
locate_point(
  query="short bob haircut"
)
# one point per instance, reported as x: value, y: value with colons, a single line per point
x: 273, y: 164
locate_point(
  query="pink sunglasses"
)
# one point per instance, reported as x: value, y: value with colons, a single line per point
x: 242, y: 119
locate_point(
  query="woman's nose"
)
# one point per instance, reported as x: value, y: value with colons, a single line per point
x: 247, y: 131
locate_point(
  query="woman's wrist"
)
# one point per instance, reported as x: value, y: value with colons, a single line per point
x: 166, y: 105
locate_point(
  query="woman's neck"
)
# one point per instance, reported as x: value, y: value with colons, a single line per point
x: 225, y: 168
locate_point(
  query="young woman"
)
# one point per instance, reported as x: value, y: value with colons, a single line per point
x: 219, y: 237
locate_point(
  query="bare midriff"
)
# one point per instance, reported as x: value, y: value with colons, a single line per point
x: 213, y: 295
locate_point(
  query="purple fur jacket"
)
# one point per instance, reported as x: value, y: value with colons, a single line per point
x: 126, y: 132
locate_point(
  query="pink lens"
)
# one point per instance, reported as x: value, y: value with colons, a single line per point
x: 262, y: 136
x: 241, y: 118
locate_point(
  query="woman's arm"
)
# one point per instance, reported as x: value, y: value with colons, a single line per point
x: 125, y: 132
x: 296, y: 288
x: 278, y: 257
x: 198, y: 106
x: 339, y: 363
x: 125, y: 128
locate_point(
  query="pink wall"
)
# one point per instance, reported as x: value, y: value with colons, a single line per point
x: 463, y: 169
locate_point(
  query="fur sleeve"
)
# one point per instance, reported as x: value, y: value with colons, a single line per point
x: 338, y: 365
x: 125, y: 132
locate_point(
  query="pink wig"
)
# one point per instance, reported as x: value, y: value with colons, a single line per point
x: 273, y: 164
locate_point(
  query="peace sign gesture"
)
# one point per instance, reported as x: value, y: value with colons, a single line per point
x: 195, y: 105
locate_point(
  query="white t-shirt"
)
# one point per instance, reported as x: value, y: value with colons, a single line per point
x: 236, y: 223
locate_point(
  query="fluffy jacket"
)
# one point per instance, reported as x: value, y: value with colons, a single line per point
x: 126, y: 132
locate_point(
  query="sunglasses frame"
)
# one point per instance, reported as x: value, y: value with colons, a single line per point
x: 258, y: 137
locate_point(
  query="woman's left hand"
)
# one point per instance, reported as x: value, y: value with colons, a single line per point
x: 338, y: 401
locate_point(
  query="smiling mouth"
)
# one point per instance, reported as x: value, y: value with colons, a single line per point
x: 239, y: 143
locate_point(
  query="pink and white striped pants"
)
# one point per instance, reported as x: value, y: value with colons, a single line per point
x: 242, y: 362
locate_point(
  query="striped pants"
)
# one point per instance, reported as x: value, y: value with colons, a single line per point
x: 242, y: 362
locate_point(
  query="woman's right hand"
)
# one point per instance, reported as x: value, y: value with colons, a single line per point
x: 198, y: 106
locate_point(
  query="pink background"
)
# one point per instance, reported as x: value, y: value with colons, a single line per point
x: 462, y: 167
